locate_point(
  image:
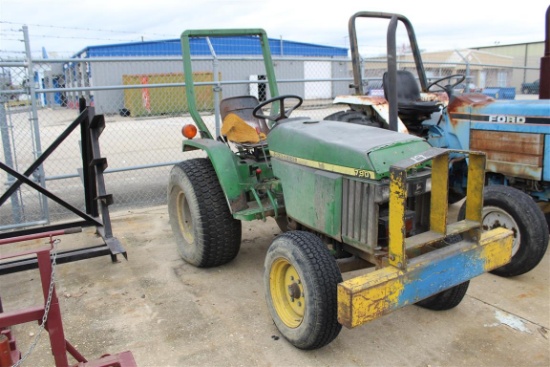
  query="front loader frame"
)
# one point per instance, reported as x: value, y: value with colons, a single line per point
x: 405, y: 278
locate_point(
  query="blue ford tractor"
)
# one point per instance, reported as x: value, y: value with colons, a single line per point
x: 514, y: 134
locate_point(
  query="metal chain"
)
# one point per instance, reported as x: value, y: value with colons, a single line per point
x: 46, y: 308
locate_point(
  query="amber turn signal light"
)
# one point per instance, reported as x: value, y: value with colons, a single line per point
x: 189, y: 131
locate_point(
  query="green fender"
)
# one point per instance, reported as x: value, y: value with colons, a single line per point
x: 225, y: 164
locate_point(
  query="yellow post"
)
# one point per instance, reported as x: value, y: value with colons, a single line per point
x: 440, y: 192
x: 476, y: 182
x: 398, y: 195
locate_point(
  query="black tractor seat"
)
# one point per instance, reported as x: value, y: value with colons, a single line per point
x: 411, y: 109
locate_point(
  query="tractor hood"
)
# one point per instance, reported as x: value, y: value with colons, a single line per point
x: 483, y: 109
x: 346, y: 148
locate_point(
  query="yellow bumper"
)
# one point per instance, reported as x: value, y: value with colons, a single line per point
x: 380, y: 292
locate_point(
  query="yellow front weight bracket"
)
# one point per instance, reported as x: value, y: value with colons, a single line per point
x: 441, y: 266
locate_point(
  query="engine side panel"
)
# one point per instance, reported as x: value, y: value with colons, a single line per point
x: 511, y: 153
x: 312, y: 196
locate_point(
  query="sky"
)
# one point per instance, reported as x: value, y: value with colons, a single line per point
x: 63, y: 28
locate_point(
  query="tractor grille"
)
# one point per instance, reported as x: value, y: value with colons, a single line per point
x: 359, y: 214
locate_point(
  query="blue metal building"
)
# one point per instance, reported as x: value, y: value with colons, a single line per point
x: 295, y: 60
x: 227, y: 46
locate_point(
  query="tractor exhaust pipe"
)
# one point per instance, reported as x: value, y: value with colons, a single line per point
x: 544, y: 89
x: 392, y: 72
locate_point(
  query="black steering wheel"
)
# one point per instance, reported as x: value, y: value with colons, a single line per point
x: 283, y: 114
x: 460, y: 77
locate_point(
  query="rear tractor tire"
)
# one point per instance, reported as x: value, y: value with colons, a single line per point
x: 206, y: 233
x: 507, y: 207
x: 300, y: 279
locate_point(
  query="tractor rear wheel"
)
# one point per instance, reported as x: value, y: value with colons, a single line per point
x: 301, y: 278
x: 507, y: 207
x: 206, y: 233
x: 447, y: 299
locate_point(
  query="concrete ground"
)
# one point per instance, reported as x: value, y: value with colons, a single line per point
x: 169, y: 313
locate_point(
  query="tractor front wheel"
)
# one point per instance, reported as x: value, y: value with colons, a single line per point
x: 447, y: 299
x: 301, y: 278
x: 206, y: 233
x: 507, y: 207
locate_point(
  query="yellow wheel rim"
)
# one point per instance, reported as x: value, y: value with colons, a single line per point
x: 287, y: 293
x: 185, y: 222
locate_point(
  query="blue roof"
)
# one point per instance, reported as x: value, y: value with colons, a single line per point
x: 223, y: 46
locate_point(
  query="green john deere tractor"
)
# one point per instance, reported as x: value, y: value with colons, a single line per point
x: 346, y: 197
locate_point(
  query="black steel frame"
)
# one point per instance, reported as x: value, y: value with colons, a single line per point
x: 97, y: 201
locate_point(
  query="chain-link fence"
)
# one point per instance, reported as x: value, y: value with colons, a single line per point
x: 144, y: 103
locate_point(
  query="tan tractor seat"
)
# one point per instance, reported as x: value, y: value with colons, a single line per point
x: 238, y: 110
x: 239, y: 131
